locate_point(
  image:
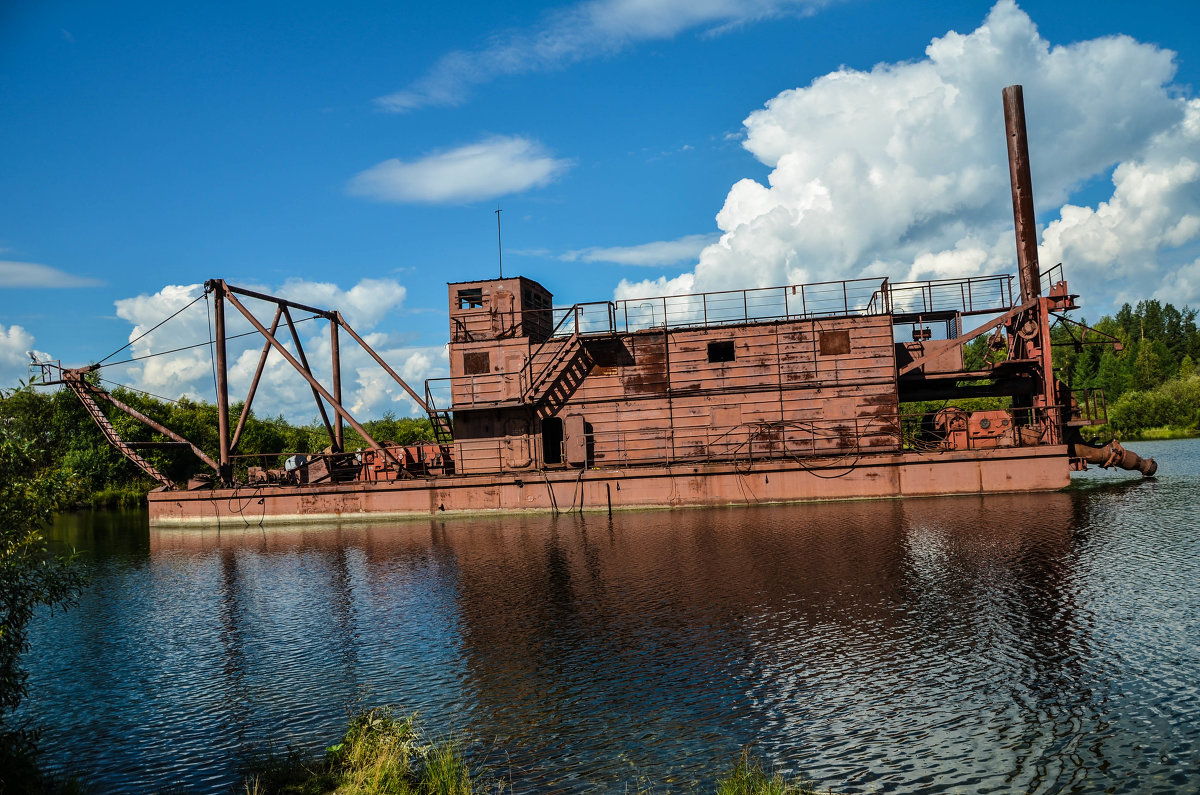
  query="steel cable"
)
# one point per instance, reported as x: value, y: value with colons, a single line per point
x: 151, y: 331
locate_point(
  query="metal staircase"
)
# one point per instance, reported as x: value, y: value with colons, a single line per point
x: 545, y: 378
x: 443, y: 427
x: 569, y: 378
x: 559, y: 378
x: 442, y: 421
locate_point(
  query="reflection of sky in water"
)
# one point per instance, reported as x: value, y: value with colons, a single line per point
x: 174, y: 664
x: 1011, y: 643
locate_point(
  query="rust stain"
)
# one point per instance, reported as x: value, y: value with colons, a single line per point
x: 648, y: 375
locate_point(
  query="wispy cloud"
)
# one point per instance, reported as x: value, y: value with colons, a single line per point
x: 658, y: 253
x: 32, y: 274
x: 493, y: 167
x: 579, y: 32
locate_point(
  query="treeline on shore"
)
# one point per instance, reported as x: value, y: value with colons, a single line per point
x: 66, y: 441
x: 1151, y: 387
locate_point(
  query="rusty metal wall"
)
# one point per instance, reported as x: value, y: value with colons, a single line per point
x: 790, y: 388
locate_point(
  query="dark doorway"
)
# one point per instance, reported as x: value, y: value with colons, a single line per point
x: 552, y: 437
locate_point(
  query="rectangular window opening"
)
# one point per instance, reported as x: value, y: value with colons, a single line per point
x: 721, y: 351
x: 470, y: 299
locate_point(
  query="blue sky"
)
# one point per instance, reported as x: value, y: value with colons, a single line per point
x: 354, y: 155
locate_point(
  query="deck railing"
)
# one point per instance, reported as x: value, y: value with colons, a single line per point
x: 970, y: 296
x: 849, y: 297
x: 1050, y: 277
x: 731, y: 307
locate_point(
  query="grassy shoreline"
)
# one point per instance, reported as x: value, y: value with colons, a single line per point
x: 383, y: 754
x: 1157, y: 434
x: 1161, y: 434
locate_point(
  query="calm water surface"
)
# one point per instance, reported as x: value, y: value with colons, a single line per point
x: 1042, y: 643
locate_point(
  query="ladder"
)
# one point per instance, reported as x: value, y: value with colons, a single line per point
x: 84, y: 391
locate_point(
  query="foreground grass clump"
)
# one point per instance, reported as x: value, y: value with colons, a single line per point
x: 748, y: 778
x: 381, y: 754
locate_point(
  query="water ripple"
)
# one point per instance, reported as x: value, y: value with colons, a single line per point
x: 1046, y: 643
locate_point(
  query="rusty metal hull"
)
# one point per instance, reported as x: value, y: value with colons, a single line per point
x: 873, y: 476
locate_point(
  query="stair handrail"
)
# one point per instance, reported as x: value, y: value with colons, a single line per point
x: 546, y: 375
x: 434, y: 412
x: 535, y: 381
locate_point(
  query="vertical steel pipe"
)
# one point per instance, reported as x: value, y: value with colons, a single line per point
x: 338, y: 426
x: 226, y: 467
x: 1022, y: 193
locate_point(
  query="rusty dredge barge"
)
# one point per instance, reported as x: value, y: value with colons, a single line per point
x: 753, y: 396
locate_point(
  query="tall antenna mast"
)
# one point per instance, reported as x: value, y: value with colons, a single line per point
x: 499, y: 247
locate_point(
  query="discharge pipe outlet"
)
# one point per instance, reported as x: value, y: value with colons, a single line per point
x: 1112, y: 454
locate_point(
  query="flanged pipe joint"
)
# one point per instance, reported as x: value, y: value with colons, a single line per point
x: 1112, y: 454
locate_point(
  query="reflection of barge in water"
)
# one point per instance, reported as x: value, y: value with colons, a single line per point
x: 752, y: 396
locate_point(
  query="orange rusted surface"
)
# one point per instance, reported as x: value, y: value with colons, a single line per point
x: 879, y: 476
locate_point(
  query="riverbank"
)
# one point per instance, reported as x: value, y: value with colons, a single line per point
x: 383, y: 753
x: 1161, y: 434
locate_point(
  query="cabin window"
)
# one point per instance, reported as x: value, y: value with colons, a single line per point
x: 477, y: 363
x: 535, y: 300
x: 834, y: 343
x: 721, y: 351
x: 470, y: 299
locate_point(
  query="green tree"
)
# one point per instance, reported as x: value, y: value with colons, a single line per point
x: 30, y: 576
x: 1148, y: 370
x: 1112, y: 374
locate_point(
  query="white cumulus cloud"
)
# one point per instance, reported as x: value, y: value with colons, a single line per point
x: 1154, y: 211
x: 576, y: 33
x: 364, y: 304
x: 367, y: 389
x: 493, y: 167
x: 15, y: 346
x: 902, y: 171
